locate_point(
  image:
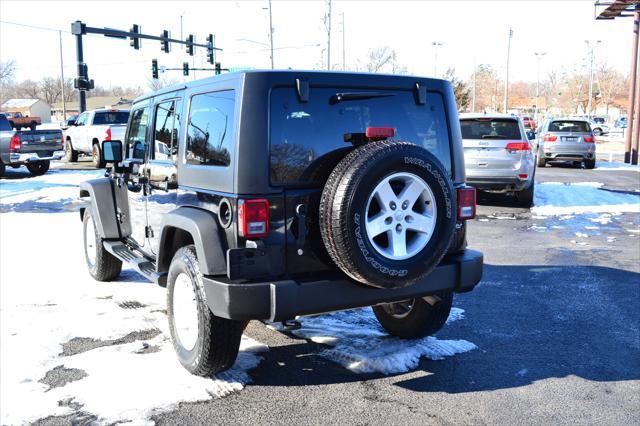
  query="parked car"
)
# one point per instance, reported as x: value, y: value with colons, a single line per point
x: 19, y: 121
x: 621, y: 123
x: 567, y: 139
x: 90, y: 129
x: 287, y: 193
x: 498, y: 155
x: 33, y: 149
x: 529, y: 123
x: 599, y: 127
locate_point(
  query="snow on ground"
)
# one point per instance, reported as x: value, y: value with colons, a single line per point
x: 47, y: 298
x: 558, y: 199
x: 614, y: 166
x: 359, y: 343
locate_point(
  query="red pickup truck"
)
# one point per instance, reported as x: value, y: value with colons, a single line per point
x: 19, y: 121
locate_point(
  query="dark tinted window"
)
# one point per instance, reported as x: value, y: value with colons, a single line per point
x: 111, y: 117
x: 167, y: 128
x: 4, y: 124
x: 303, y: 134
x: 490, y: 128
x: 569, y: 126
x: 210, y: 129
x: 136, y: 135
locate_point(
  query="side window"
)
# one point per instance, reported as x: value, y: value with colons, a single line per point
x: 81, y: 120
x: 136, y: 136
x: 210, y: 129
x: 166, y: 131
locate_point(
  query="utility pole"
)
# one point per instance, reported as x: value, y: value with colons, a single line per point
x: 344, y: 62
x: 328, y: 24
x: 271, y: 33
x: 506, y: 82
x: 64, y: 101
x: 436, y: 45
x: 82, y: 94
x: 591, y: 46
x: 539, y: 56
x: 631, y: 145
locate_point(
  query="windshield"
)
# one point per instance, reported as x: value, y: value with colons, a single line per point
x: 569, y: 126
x: 111, y: 117
x: 490, y: 128
x: 305, y: 134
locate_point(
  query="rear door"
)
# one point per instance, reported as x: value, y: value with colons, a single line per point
x: 79, y: 133
x: 485, y: 140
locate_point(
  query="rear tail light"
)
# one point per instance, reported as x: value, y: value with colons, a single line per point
x: 550, y: 138
x: 518, y: 146
x: 589, y: 139
x: 380, y: 132
x: 466, y: 203
x: 15, y: 143
x: 107, y: 135
x: 253, y: 218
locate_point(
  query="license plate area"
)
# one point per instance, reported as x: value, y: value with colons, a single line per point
x: 570, y: 139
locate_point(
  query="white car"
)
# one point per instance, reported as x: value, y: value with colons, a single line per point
x: 91, y: 129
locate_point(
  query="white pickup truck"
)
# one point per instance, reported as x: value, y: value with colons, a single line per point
x: 91, y: 129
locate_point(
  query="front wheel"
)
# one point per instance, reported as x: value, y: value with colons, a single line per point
x: 70, y: 153
x: 38, y: 168
x: 98, y: 162
x: 597, y: 131
x: 590, y: 164
x: 415, y: 318
x: 205, y: 344
x: 103, y: 266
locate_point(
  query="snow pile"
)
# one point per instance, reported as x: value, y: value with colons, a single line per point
x: 47, y: 299
x: 360, y: 344
x: 606, y: 166
x: 56, y: 188
x: 557, y: 199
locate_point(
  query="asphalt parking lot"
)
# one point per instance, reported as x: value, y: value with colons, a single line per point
x: 555, y: 324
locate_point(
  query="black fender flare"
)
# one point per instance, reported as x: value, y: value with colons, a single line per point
x: 203, y: 227
x: 106, y: 200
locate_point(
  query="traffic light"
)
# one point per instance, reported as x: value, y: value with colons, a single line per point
x: 154, y: 69
x: 190, y: 41
x: 210, y: 58
x: 135, y: 41
x: 218, y: 68
x: 164, y: 41
x: 185, y: 68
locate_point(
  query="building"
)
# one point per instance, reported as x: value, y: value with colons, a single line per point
x: 28, y: 107
x: 92, y: 103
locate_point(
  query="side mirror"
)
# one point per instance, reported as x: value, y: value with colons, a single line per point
x: 112, y: 151
x: 531, y: 135
x: 71, y: 123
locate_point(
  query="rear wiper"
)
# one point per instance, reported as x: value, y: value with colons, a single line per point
x: 493, y: 137
x: 356, y: 96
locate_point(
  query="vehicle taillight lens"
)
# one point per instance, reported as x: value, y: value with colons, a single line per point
x: 466, y: 203
x: 380, y: 132
x: 518, y: 146
x: 589, y: 139
x: 253, y: 218
x: 107, y: 135
x: 550, y: 138
x: 15, y: 143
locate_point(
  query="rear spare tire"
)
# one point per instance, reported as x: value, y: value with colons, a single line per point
x: 387, y: 214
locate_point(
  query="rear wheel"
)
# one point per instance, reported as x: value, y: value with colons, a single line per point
x: 97, y: 156
x: 2, y: 168
x: 205, y: 344
x: 590, y: 164
x: 525, y: 197
x: 103, y: 266
x: 33, y: 125
x: 541, y: 161
x: 70, y: 153
x: 38, y: 168
x: 415, y: 318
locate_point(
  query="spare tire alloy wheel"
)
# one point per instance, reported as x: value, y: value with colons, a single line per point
x: 387, y: 214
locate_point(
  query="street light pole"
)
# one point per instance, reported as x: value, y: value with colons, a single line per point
x: 329, y: 37
x: 64, y: 100
x: 539, y: 56
x: 344, y: 62
x: 591, y: 46
x: 506, y: 82
x: 436, y: 45
x: 271, y: 33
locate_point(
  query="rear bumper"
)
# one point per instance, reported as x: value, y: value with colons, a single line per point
x: 30, y: 157
x: 281, y: 300
x: 501, y: 183
x: 569, y: 154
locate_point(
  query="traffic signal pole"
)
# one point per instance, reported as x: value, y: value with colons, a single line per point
x: 82, y: 95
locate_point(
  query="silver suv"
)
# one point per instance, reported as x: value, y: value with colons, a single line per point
x: 566, y: 139
x: 498, y: 156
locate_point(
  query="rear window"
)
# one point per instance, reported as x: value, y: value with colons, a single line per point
x: 496, y: 128
x: 4, y: 124
x: 111, y: 117
x: 569, y: 126
x: 304, y: 134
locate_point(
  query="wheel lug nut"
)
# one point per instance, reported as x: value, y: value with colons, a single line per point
x: 405, y: 205
x: 392, y: 205
x: 399, y: 228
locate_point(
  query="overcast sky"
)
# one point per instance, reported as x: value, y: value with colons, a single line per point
x: 470, y: 30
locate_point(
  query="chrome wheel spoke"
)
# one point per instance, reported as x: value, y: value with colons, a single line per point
x: 385, y: 195
x: 377, y: 225
x: 399, y: 243
x: 411, y: 192
x: 421, y: 223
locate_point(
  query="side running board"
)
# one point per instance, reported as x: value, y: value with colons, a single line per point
x: 141, y: 264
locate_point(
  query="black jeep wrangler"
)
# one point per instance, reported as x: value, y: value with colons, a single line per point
x: 273, y: 194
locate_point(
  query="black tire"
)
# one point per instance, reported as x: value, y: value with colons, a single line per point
x: 597, y: 131
x: 38, y: 168
x: 218, y: 339
x: 70, y: 153
x: 525, y: 197
x: 343, y: 210
x: 590, y: 164
x: 33, y: 126
x: 2, y: 168
x: 541, y: 161
x: 420, y: 320
x: 105, y: 266
x: 96, y: 155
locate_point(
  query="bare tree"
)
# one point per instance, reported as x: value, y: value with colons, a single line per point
x: 611, y: 85
x: 460, y: 89
x: 27, y: 89
x: 50, y: 90
x: 155, y: 84
x: 379, y: 57
x: 7, y: 71
x: 488, y: 88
